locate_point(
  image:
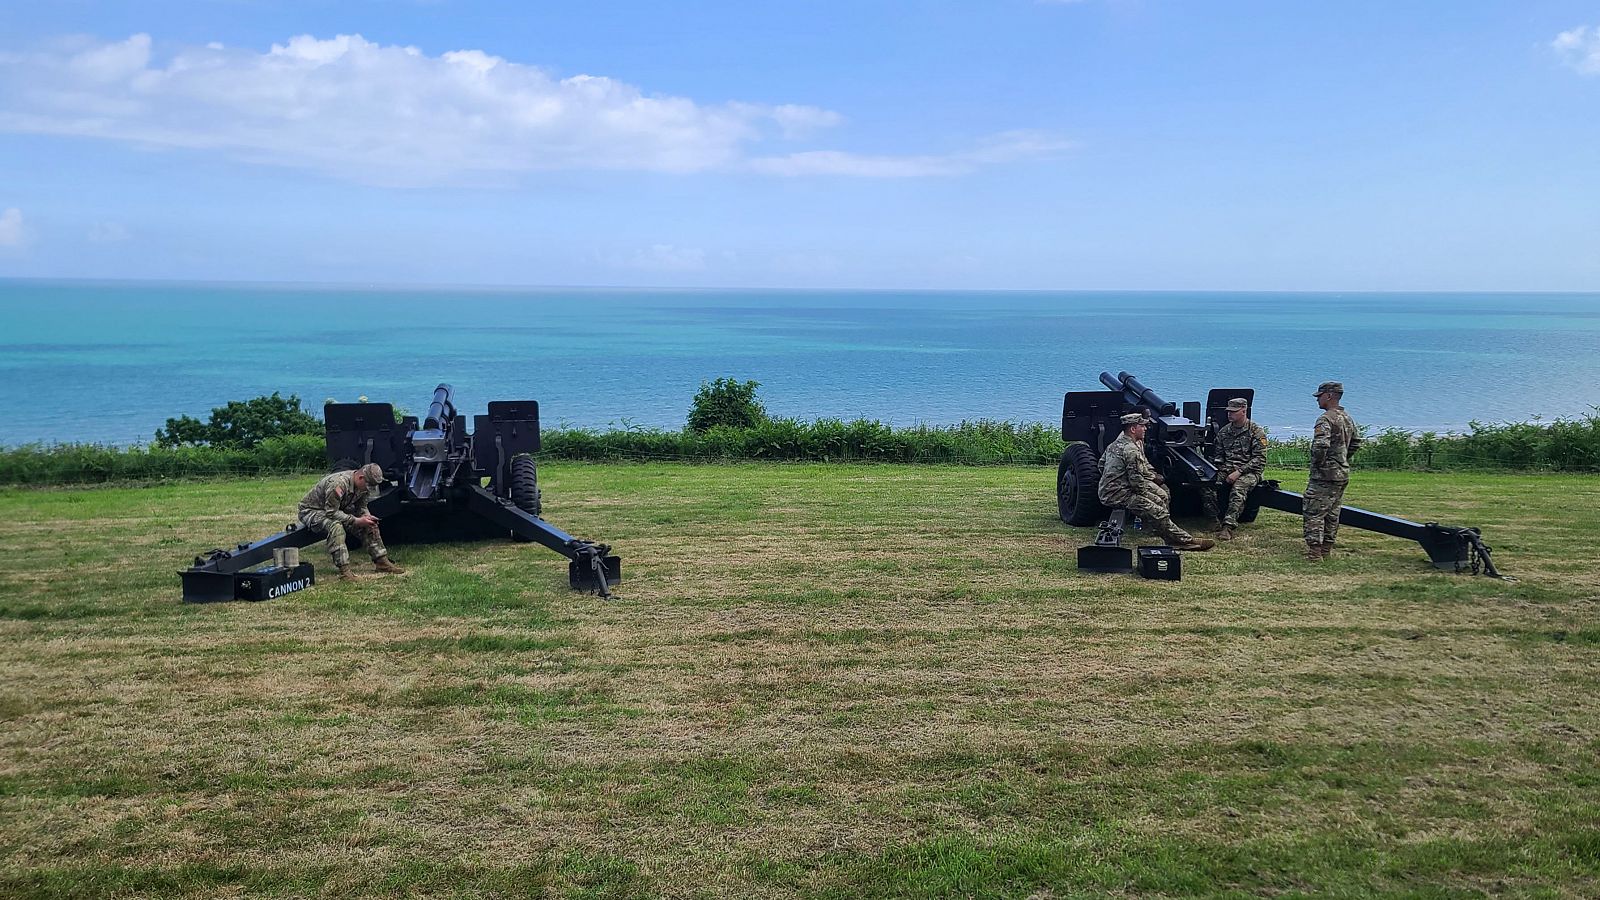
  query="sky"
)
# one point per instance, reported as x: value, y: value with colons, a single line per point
x: 924, y: 144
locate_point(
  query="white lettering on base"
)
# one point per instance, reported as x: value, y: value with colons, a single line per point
x: 288, y: 587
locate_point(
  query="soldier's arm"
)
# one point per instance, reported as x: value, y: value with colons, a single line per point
x: 1258, y: 453
x: 331, y: 501
x: 1321, y: 442
x: 1113, y: 469
x: 1355, y: 438
x: 1139, y: 472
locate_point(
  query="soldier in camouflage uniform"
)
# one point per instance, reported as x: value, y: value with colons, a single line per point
x: 1241, y: 458
x: 337, y: 505
x: 1335, y: 441
x: 1128, y: 481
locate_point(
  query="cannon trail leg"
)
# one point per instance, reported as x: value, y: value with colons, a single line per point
x: 1449, y: 547
x: 592, y: 567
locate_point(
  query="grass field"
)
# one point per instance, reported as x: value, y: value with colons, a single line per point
x: 832, y: 681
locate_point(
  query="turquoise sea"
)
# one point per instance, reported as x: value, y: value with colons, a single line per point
x: 109, y: 362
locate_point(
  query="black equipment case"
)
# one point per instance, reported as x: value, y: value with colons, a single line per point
x: 262, y: 584
x: 1161, y: 563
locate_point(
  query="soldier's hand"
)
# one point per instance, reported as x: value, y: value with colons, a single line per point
x: 1232, y: 477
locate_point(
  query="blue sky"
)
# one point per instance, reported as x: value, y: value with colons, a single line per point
x: 1097, y: 144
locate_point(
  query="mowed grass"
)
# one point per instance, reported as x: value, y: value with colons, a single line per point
x: 836, y: 681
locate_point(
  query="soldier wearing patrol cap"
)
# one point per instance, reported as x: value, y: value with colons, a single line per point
x: 1128, y: 481
x: 337, y: 506
x: 1335, y: 440
x: 1241, y: 458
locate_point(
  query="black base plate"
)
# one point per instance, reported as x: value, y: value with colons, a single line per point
x: 1095, y: 558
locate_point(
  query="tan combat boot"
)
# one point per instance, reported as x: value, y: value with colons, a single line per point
x: 382, y: 564
x: 1327, y: 549
x: 345, y: 574
x: 1314, y: 552
x: 1195, y: 544
x: 1226, y: 534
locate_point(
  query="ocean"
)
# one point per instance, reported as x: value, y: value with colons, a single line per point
x: 109, y: 362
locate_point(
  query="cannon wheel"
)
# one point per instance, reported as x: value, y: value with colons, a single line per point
x: 525, y: 484
x: 344, y: 464
x: 1077, y: 486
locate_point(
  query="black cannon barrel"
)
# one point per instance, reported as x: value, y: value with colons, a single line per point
x: 442, y: 410
x: 1138, y: 393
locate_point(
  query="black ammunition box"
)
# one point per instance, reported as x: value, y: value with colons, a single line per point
x: 273, y: 582
x: 1162, y: 563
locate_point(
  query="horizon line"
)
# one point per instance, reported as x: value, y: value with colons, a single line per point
x: 509, y: 286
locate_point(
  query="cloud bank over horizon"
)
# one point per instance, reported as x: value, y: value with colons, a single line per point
x: 395, y: 116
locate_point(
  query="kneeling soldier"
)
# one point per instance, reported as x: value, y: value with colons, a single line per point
x: 1130, y: 482
x: 339, y: 504
x: 1241, y: 458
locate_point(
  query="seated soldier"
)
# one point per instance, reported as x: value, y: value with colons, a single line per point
x: 1241, y: 458
x: 338, y: 504
x: 1129, y: 482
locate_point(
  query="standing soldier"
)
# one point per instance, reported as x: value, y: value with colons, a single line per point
x: 1335, y: 441
x: 1241, y: 458
x: 338, y: 504
x: 1130, y: 482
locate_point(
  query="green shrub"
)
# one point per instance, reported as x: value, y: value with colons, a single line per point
x: 1568, y: 445
x: 92, y: 463
x: 241, y: 424
x: 726, y: 403
x: 1391, y: 449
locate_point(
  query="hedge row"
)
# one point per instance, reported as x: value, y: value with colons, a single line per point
x: 1567, y: 445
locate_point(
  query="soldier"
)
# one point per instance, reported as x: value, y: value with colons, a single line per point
x: 338, y: 504
x: 1129, y: 482
x: 1242, y: 457
x: 1335, y: 441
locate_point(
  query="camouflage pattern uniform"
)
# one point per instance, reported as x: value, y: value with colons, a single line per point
x: 1243, y: 449
x: 331, y: 508
x: 1335, y: 440
x: 1128, y: 481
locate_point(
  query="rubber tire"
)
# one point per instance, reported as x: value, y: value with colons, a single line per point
x: 525, y: 485
x: 344, y: 464
x: 1077, y: 487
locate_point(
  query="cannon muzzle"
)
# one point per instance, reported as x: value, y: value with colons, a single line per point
x: 441, y: 411
x: 1137, y: 394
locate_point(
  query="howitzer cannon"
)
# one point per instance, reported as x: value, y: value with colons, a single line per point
x: 436, y: 492
x: 1176, y: 444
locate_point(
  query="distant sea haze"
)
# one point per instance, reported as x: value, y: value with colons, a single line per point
x: 110, y: 362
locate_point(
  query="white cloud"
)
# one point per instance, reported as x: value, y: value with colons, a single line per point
x: 800, y: 121
x: 1010, y: 146
x: 11, y: 227
x: 393, y: 115
x: 1580, y: 48
x: 835, y: 162
x: 386, y: 114
x: 108, y: 233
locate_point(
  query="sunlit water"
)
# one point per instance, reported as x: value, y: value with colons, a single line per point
x: 110, y: 362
